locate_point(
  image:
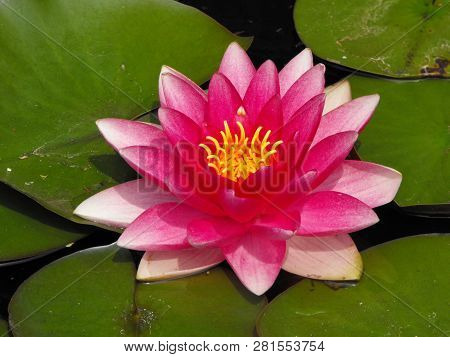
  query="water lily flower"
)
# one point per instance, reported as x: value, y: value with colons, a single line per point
x: 253, y: 172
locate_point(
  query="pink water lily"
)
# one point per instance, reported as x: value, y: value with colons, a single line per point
x: 253, y: 172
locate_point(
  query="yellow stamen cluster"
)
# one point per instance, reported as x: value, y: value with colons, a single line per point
x: 237, y: 156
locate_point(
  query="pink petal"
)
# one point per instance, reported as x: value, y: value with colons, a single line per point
x: 295, y: 69
x: 180, y: 176
x: 213, y: 231
x: 337, y: 94
x: 198, y: 200
x: 296, y: 189
x: 271, y: 117
x: 262, y: 88
x: 241, y: 209
x: 307, y: 86
x: 121, y: 133
x: 373, y: 184
x: 272, y: 233
x: 256, y: 261
x: 327, y: 154
x: 162, y: 227
x: 191, y: 181
x: 279, y: 219
x: 262, y: 182
x: 223, y: 102
x: 179, y: 127
x: 330, y: 213
x: 150, y: 161
x: 305, y: 121
x: 182, y: 97
x: 166, y: 70
x: 237, y: 67
x: 177, y: 263
x: 120, y: 205
x: 324, y: 258
x: 352, y: 116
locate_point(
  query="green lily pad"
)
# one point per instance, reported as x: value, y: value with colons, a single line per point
x: 404, y: 291
x: 27, y: 229
x: 65, y: 64
x: 4, y: 328
x: 93, y: 293
x: 209, y: 304
x: 409, y: 132
x: 397, y: 38
x: 89, y: 293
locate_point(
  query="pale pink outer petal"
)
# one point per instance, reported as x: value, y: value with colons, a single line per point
x: 179, y: 127
x: 173, y: 264
x: 162, y: 227
x: 256, y: 261
x: 263, y: 87
x: 120, y: 205
x: 167, y: 69
x: 121, y: 133
x: 337, y: 94
x: 307, y: 86
x: 295, y: 69
x: 373, y: 184
x: 323, y: 258
x: 213, y: 231
x: 327, y: 154
x: 181, y: 96
x: 353, y: 116
x: 237, y: 67
x: 330, y: 213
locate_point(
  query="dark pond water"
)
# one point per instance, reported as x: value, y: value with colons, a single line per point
x: 271, y: 24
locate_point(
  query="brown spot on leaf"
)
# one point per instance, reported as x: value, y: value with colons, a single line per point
x: 438, y: 70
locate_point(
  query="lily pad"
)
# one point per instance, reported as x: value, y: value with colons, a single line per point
x: 93, y: 293
x: 65, y: 64
x: 209, y: 304
x: 394, y: 38
x: 27, y: 229
x: 3, y: 328
x: 89, y: 293
x: 404, y: 292
x: 409, y: 132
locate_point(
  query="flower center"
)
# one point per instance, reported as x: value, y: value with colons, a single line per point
x: 237, y: 156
